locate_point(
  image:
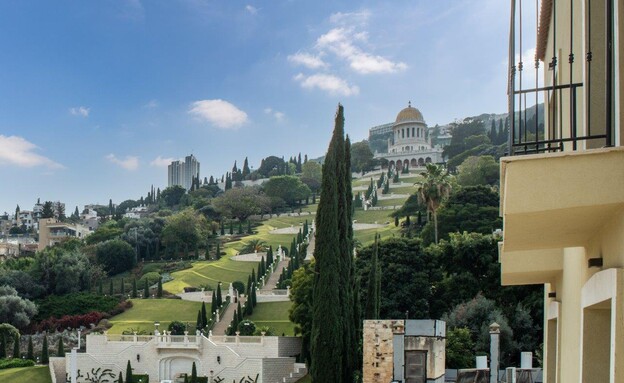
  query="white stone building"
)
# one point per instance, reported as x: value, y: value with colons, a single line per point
x: 410, y: 145
x: 167, y: 357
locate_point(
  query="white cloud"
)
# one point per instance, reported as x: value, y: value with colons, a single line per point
x: 251, y: 9
x: 329, y: 83
x: 351, y: 18
x: 342, y: 42
x: 151, y: 104
x: 128, y: 163
x: 307, y: 60
x: 219, y: 113
x: 161, y: 162
x: 17, y: 151
x: 279, y: 116
x: 81, y: 111
x: 132, y: 10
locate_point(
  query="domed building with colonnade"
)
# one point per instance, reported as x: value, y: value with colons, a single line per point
x: 410, y: 144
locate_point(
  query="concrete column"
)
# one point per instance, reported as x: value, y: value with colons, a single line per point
x: 570, y: 321
x: 617, y: 330
x: 494, y: 351
x: 73, y: 366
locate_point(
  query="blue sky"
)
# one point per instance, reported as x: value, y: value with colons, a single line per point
x: 97, y: 96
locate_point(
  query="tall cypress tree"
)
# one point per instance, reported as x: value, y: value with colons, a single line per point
x: 327, y: 322
x: 123, y: 288
x: 30, y: 354
x: 129, y: 373
x: 347, y: 284
x: 60, y: 351
x: 145, y: 290
x: 45, y: 357
x: 219, y: 296
x: 134, y: 289
x: 3, y: 346
x: 159, y: 291
x: 194, y: 374
x: 16, y: 346
x: 204, y: 316
x: 120, y: 378
x: 198, y: 322
x: 110, y: 288
x: 213, y: 304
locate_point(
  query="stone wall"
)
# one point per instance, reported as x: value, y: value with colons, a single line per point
x: 275, y: 369
x: 377, y: 350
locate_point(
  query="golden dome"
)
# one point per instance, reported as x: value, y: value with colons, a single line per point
x: 409, y: 114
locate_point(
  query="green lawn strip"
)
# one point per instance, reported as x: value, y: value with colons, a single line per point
x: 208, y: 273
x: 391, y: 202
x: 367, y: 237
x: 274, y: 315
x: 372, y: 216
x: 305, y: 379
x: 37, y: 374
x: 145, y: 312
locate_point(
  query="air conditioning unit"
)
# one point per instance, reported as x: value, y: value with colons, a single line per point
x: 510, y: 375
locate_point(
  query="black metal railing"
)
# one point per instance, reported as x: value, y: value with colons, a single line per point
x: 536, y: 110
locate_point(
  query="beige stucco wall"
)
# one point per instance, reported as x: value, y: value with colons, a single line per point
x: 377, y: 350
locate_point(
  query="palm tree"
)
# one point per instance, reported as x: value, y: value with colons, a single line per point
x: 433, y: 190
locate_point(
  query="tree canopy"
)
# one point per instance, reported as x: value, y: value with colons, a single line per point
x: 290, y: 189
x: 242, y: 202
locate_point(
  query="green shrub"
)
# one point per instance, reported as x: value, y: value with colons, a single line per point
x: 152, y: 278
x: 247, y: 327
x: 239, y: 286
x: 74, y: 304
x: 151, y: 268
x: 12, y: 363
x: 177, y: 328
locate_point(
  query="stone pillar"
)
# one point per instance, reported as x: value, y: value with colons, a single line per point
x: 73, y: 366
x: 570, y: 324
x: 494, y: 351
x: 526, y: 360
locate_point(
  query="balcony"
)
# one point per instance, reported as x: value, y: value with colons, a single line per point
x: 560, y: 79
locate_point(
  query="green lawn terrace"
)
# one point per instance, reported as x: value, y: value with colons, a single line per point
x: 145, y: 312
x: 37, y: 374
x: 275, y: 316
x: 208, y: 274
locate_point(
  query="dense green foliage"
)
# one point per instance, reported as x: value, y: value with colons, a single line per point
x: 13, y: 363
x: 15, y: 310
x: 470, y: 209
x: 115, y: 256
x: 289, y: 189
x: 74, y: 304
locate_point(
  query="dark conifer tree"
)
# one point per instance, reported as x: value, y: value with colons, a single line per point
x: 129, y: 373
x: 253, y: 295
x: 231, y: 228
x: 239, y: 310
x: 371, y: 310
x: 248, y: 293
x: 16, y: 346
x: 110, y: 288
x: 240, y: 227
x: 204, y: 316
x: 218, y: 255
x: 45, y: 357
x: 249, y: 227
x: 198, y: 322
x: 159, y: 291
x: 214, y: 307
x: 60, y: 351
x: 3, y: 346
x: 333, y: 350
x: 100, y: 288
x: 246, y: 170
x: 253, y: 276
x: 219, y: 297
x: 29, y: 352
x: 122, y: 288
x: 145, y: 290
x: 120, y: 378
x: 134, y: 288
x: 222, y: 228
x: 194, y: 374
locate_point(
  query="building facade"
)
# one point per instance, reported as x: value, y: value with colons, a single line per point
x: 182, y: 172
x: 410, y: 144
x: 562, y: 198
x: 404, y: 351
x: 52, y: 231
x: 167, y: 358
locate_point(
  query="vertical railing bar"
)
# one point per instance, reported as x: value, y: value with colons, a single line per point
x: 608, y: 69
x: 561, y: 119
x: 571, y: 61
x: 511, y: 83
x: 588, y: 57
x: 554, y: 65
x: 520, y: 69
x: 536, y: 75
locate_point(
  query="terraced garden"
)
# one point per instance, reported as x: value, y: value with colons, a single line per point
x: 37, y: 374
x: 274, y: 315
x: 145, y: 312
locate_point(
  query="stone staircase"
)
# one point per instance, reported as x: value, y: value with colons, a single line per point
x: 300, y: 371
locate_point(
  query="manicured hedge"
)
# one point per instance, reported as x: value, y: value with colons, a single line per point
x: 74, y: 304
x: 12, y: 363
